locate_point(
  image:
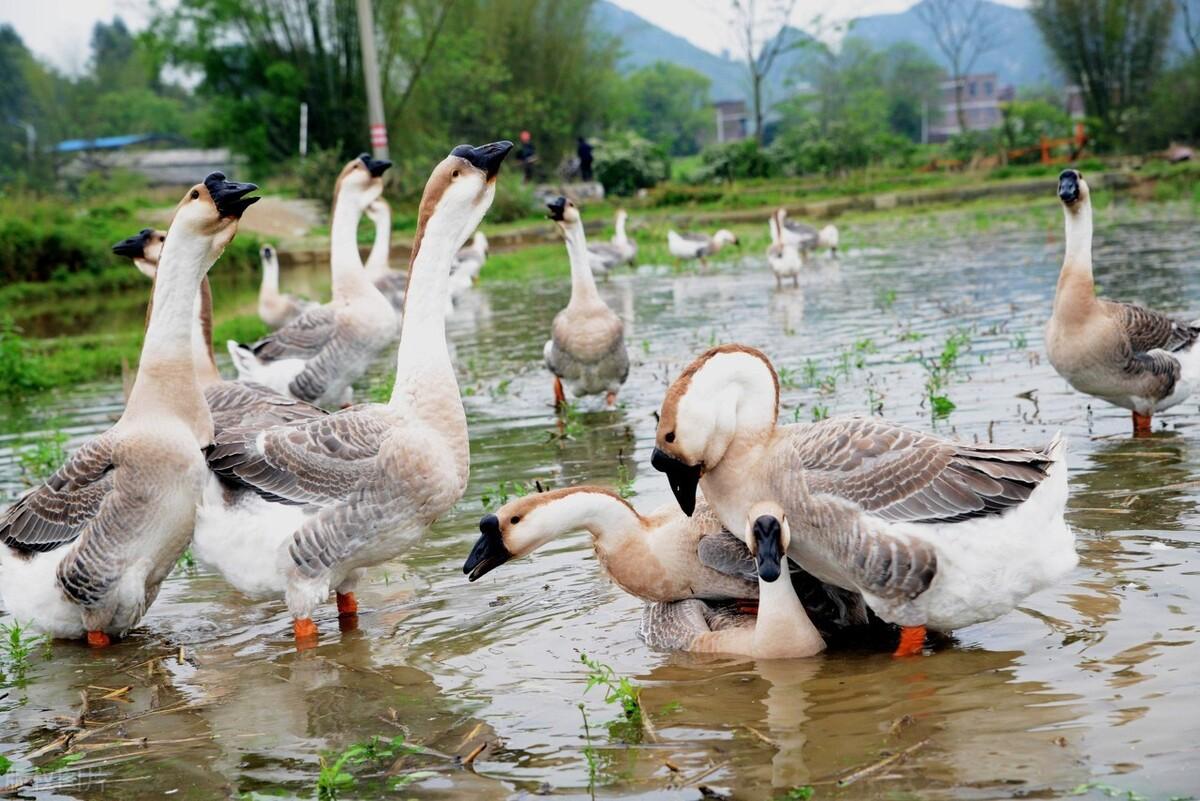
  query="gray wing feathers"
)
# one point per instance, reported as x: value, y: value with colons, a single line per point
x: 236, y: 404
x: 57, y: 512
x: 326, y: 366
x: 726, y: 554
x: 1150, y: 330
x: 674, y: 626
x: 301, y: 338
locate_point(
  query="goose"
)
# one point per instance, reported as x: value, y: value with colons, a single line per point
x: 317, y: 357
x: 144, y: 248
x: 796, y: 234
x: 1128, y: 355
x: 785, y: 260
x: 781, y: 629
x: 470, y: 258
x: 698, y: 246
x: 275, y: 308
x: 586, y: 349
x: 391, y: 283
x: 374, y: 476
x: 606, y: 256
x: 828, y: 237
x: 662, y: 558
x: 934, y: 533
x: 85, y: 553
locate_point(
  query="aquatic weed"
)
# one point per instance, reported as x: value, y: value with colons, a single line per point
x: 17, y: 646
x: 885, y: 299
x: 5, y: 764
x: 819, y: 413
x: 624, y: 478
x: 621, y: 691
x: 334, y: 778
x: 500, y: 494
x: 797, y: 794
x: 787, y: 378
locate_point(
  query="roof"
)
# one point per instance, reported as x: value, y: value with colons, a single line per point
x: 109, y: 142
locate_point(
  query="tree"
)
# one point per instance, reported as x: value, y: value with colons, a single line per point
x: 762, y: 37
x: 668, y: 105
x: 1114, y: 49
x: 963, y: 31
x: 1190, y: 13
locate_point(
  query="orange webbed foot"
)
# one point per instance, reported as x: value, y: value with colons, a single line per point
x: 98, y: 639
x: 912, y: 642
x: 560, y: 397
x: 305, y: 631
x: 1142, y: 425
x: 347, y: 604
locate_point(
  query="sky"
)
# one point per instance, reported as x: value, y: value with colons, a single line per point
x: 58, y: 31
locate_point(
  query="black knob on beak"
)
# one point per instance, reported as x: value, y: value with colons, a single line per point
x: 133, y: 247
x: 230, y: 196
x: 376, y: 167
x: 1068, y: 186
x: 557, y: 207
x: 486, y: 157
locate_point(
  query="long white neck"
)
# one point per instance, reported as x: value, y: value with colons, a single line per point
x: 270, y: 278
x: 606, y: 518
x: 423, y: 325
x: 583, y: 283
x: 346, y: 265
x: 378, y: 260
x: 1078, y: 257
x: 783, y: 628
x: 775, y: 229
x: 620, y: 237
x: 202, y: 352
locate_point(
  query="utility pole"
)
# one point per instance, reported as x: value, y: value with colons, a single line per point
x: 303, y: 130
x: 370, y: 65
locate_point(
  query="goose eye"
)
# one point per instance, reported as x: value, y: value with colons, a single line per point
x: 515, y: 519
x: 670, y: 437
x: 195, y: 194
x: 454, y: 174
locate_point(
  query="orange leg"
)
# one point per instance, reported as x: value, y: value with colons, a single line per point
x: 560, y: 397
x: 347, y: 604
x: 98, y: 639
x: 912, y: 641
x: 305, y: 631
x: 747, y: 606
x: 1141, y: 425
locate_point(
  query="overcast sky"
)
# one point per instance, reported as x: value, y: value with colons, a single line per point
x: 59, y: 30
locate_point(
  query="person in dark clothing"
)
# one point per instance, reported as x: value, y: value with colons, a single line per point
x: 584, y: 151
x: 526, y: 155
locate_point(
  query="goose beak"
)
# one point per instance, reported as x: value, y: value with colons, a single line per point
x: 489, y: 551
x: 134, y: 247
x: 230, y: 196
x: 487, y: 157
x: 557, y: 207
x: 682, y: 478
x: 1068, y: 186
x: 768, y: 541
x: 376, y: 167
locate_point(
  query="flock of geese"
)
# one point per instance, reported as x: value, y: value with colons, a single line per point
x: 782, y: 538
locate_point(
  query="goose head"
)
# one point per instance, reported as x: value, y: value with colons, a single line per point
x: 724, y: 237
x: 268, y: 256
x: 1073, y: 191
x: 144, y: 248
x: 459, y: 192
x: 564, y: 212
x: 727, y: 398
x: 211, y: 210
x: 360, y: 183
x: 768, y: 537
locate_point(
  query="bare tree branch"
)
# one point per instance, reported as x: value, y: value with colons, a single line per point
x: 963, y: 30
x: 760, y: 50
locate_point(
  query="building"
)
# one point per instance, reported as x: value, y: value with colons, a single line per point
x: 982, y: 95
x: 145, y: 154
x: 732, y: 124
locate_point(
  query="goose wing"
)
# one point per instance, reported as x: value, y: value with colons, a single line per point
x: 675, y: 626
x: 588, y: 341
x: 236, y: 404
x: 302, y: 338
x: 56, y: 513
x: 318, y: 461
x: 726, y: 554
x: 1150, y: 330
x: 899, y: 474
x: 329, y: 363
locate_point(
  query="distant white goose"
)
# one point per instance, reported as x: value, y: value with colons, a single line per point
x: 86, y: 552
x: 796, y: 234
x: 275, y: 308
x: 318, y: 356
x: 371, y: 479
x: 607, y: 256
x: 1128, y: 355
x: 930, y: 531
x: 785, y: 260
x: 391, y: 283
x: 828, y: 237
x: 586, y: 350
x: 698, y: 246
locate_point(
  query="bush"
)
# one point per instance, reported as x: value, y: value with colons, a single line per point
x: 1027, y: 121
x: 514, y: 201
x: 732, y: 161
x: 20, y: 370
x: 626, y: 163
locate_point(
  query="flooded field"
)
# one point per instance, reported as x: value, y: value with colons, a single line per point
x: 1090, y: 688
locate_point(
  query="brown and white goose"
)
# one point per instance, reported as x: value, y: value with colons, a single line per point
x: 698, y: 246
x: 391, y: 283
x: 1128, y: 355
x: 784, y: 260
x: 318, y: 356
x: 586, y: 351
x: 86, y: 552
x: 276, y: 308
x: 374, y: 476
x: 931, y: 531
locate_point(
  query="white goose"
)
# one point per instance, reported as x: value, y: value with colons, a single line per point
x: 1128, y: 355
x: 318, y: 356
x: 698, y: 246
x: 932, y: 532
x: 375, y: 476
x: 785, y: 260
x: 586, y: 350
x: 828, y: 237
x: 797, y: 234
x: 86, y: 552
x: 391, y: 283
x: 275, y: 308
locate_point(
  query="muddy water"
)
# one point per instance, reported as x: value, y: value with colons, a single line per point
x: 1089, y: 686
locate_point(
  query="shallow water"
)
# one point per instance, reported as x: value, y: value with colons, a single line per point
x: 1090, y: 683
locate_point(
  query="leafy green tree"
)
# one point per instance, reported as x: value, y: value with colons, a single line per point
x: 1114, y: 49
x: 668, y: 104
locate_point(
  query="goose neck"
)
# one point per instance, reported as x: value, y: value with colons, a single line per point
x: 379, y: 258
x: 782, y: 621
x: 1076, y: 283
x: 270, y: 278
x: 620, y: 237
x: 202, y: 349
x: 583, y: 283
x: 349, y: 277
